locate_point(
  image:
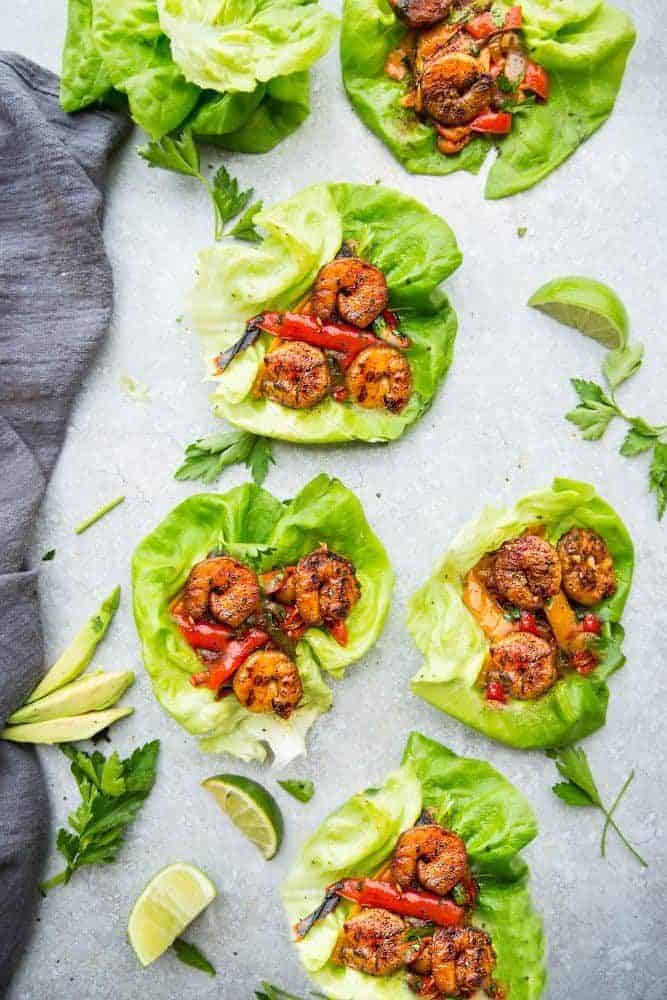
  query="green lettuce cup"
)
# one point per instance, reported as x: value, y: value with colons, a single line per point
x: 251, y: 525
x: 583, y: 46
x: 467, y: 796
x: 455, y: 648
x: 236, y: 75
x: 415, y: 249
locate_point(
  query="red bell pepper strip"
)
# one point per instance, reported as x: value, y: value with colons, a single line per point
x: 493, y: 123
x: 204, y: 635
x: 339, y: 631
x: 536, y: 80
x: 496, y: 692
x: 347, y: 340
x: 293, y: 624
x: 238, y: 650
x: 514, y: 18
x: 409, y: 902
x: 484, y: 25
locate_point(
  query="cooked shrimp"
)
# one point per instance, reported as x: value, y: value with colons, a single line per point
x: 295, y: 374
x: 268, y: 681
x: 223, y: 586
x: 453, y: 140
x: 431, y: 857
x: 527, y: 572
x: 380, y: 377
x: 451, y: 89
x: 588, y: 569
x: 462, y: 960
x: 357, y: 291
x: 421, y: 13
x: 524, y: 664
x: 442, y: 36
x: 374, y: 942
x: 326, y: 587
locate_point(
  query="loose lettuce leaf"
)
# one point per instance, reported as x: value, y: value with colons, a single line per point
x: 234, y: 46
x: 470, y: 797
x: 251, y: 524
x: 454, y: 647
x: 583, y: 45
x: 415, y: 249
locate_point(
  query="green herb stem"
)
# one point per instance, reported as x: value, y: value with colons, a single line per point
x: 98, y: 515
x: 610, y: 822
x: 53, y: 882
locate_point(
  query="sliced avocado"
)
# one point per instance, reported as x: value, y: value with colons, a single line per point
x: 89, y: 694
x: 76, y: 727
x: 79, y: 653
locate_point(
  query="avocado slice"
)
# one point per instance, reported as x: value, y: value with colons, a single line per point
x: 72, y: 663
x: 76, y: 727
x: 89, y: 694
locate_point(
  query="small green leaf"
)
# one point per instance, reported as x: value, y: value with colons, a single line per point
x: 207, y: 458
x: 621, y: 363
x: 635, y: 443
x: 245, y: 227
x: 259, y: 459
x: 190, y: 955
x: 49, y: 555
x: 591, y: 392
x: 592, y: 420
x: 112, y: 782
x: 521, y: 231
x: 658, y: 477
x: 571, y: 794
x: 227, y: 198
x: 173, y: 153
x: 301, y: 790
x: 573, y: 765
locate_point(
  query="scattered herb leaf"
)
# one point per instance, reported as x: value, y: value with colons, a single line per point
x: 98, y: 515
x: 135, y: 390
x: 245, y: 227
x: 579, y: 790
x: 301, y: 790
x: 177, y: 153
x: 269, y: 992
x: 521, y: 231
x: 227, y: 198
x: 658, y: 476
x: 49, y: 555
x: 507, y: 86
x: 189, y: 954
x: 112, y: 793
x: 419, y: 931
x: 207, y: 458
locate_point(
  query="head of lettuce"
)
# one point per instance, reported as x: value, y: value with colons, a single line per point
x: 235, y: 74
x: 415, y: 249
x: 255, y: 528
x: 582, y: 44
x: 466, y: 796
x: 455, y: 648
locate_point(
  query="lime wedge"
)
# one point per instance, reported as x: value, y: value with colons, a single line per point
x: 251, y: 808
x: 171, y: 900
x: 589, y: 306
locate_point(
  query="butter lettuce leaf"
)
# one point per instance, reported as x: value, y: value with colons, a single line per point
x: 454, y: 647
x: 249, y: 523
x: 584, y: 46
x: 415, y: 249
x: 466, y: 795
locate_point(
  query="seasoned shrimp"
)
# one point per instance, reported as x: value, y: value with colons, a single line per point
x: 451, y: 89
x: 588, y: 569
x: 421, y: 13
x: 224, y: 587
x: 443, y: 36
x: 326, y: 587
x: 268, y: 681
x: 374, y: 942
x: 380, y: 377
x: 295, y: 374
x: 431, y: 857
x: 462, y: 960
x: 527, y: 572
x: 524, y: 665
x: 357, y: 291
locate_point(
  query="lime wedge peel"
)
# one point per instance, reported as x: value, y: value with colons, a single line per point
x: 250, y: 808
x: 169, y: 903
x: 588, y: 305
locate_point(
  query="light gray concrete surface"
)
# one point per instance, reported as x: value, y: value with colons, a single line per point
x: 496, y: 430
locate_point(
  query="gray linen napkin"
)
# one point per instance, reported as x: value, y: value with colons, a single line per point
x: 55, y: 305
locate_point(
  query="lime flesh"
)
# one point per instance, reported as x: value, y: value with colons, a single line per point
x: 171, y: 900
x: 250, y: 808
x: 587, y: 305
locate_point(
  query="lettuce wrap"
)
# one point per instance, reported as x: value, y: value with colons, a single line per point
x: 235, y: 74
x: 583, y: 45
x: 455, y: 648
x: 415, y: 249
x: 253, y: 526
x: 465, y: 795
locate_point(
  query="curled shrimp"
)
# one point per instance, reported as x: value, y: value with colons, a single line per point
x: 380, y: 378
x: 374, y: 941
x: 588, y: 568
x: 294, y: 374
x: 451, y: 89
x: 462, y: 961
x: 224, y: 587
x: 422, y: 13
x: 523, y: 664
x: 357, y: 291
x: 431, y: 857
x: 268, y: 681
x: 527, y: 572
x: 326, y: 587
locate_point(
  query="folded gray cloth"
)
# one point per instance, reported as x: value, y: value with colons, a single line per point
x: 55, y: 304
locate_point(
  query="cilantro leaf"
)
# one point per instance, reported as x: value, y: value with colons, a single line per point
x: 227, y: 198
x: 245, y: 227
x: 595, y: 411
x: 573, y: 765
x: 301, y: 790
x: 177, y: 153
x: 48, y: 556
x: 189, y: 954
x: 269, y: 992
x: 635, y: 442
x: 521, y: 231
x: 620, y: 364
x: 112, y: 793
x: 207, y: 458
x: 569, y: 793
x: 658, y: 476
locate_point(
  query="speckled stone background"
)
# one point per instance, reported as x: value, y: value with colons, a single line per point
x: 496, y: 430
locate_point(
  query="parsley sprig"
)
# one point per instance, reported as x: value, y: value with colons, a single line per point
x: 189, y: 954
x: 112, y: 793
x: 579, y: 790
x: 269, y: 992
x: 179, y: 154
x: 207, y: 458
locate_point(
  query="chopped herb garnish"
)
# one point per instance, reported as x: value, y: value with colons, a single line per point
x: 521, y: 231
x: 189, y: 954
x: 48, y: 556
x: 419, y: 931
x: 98, y: 515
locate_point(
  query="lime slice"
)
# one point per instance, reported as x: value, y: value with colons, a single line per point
x: 250, y: 808
x: 171, y: 900
x: 589, y: 306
